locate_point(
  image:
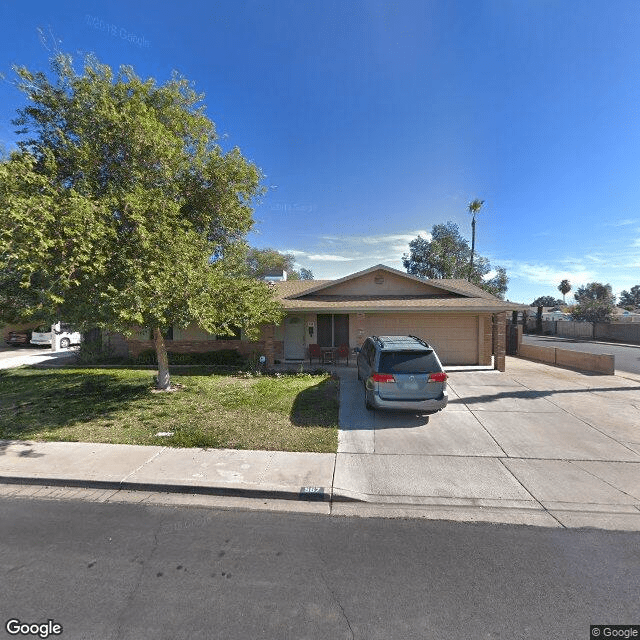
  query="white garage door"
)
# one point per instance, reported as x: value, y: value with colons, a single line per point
x: 455, y: 338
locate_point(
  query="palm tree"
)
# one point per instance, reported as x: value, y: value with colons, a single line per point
x: 564, y: 287
x: 473, y: 208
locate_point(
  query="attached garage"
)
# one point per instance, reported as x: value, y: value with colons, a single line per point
x: 456, y: 338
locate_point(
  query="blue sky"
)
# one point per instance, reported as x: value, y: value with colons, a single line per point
x: 374, y: 120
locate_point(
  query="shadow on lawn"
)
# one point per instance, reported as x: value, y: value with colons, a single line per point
x: 317, y: 406
x: 34, y: 402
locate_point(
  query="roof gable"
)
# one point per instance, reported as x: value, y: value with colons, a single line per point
x: 383, y: 281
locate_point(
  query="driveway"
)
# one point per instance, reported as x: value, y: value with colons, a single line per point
x: 11, y: 357
x: 556, y: 446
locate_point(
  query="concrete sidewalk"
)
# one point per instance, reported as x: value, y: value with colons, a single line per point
x: 536, y: 445
x: 115, y: 472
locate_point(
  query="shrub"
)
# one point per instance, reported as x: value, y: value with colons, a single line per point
x: 148, y: 356
x: 224, y: 357
x: 94, y: 352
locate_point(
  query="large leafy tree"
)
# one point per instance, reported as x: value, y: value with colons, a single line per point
x: 19, y: 304
x: 630, y: 299
x: 447, y: 255
x: 594, y: 291
x: 261, y: 262
x: 546, y: 301
x: 120, y: 210
x: 595, y: 302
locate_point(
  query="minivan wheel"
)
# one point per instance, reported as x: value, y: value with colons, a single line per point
x: 367, y: 404
x: 64, y: 343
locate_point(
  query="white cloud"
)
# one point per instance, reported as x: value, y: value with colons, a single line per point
x: 622, y: 223
x: 325, y: 257
x: 362, y: 249
x: 549, y: 275
x: 380, y: 239
x: 395, y: 238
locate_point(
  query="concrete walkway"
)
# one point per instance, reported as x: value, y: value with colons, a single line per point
x: 536, y: 445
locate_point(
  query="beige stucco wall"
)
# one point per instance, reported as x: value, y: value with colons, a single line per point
x: 486, y: 339
x: 380, y: 283
x: 598, y: 363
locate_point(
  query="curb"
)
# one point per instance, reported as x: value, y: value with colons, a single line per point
x: 230, y: 492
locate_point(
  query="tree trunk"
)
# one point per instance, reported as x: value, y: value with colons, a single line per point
x: 164, y: 381
x: 473, y: 245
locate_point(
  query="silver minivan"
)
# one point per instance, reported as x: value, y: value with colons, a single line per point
x: 402, y: 373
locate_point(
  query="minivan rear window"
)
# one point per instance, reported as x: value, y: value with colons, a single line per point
x: 408, y: 362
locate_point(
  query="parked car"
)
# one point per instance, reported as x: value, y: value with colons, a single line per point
x: 43, y: 335
x: 402, y: 373
x: 18, y: 338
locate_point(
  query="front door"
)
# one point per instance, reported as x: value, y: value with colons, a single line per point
x: 293, y: 338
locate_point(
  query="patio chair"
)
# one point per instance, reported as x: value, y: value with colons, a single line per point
x: 315, y: 352
x: 343, y: 352
x: 328, y: 355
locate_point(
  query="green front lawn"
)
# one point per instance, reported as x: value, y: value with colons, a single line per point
x: 120, y: 406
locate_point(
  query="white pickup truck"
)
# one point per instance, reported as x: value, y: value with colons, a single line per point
x: 43, y: 335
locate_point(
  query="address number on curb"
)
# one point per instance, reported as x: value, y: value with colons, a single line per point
x: 312, y: 493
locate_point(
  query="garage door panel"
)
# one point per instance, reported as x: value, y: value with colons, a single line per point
x: 455, y: 338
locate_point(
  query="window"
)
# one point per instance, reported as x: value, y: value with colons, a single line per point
x: 333, y: 329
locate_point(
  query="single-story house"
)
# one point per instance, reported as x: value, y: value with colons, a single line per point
x: 465, y: 324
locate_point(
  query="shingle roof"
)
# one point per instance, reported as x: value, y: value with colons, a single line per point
x: 393, y: 304
x: 457, y: 295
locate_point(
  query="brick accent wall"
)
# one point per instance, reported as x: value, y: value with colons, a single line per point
x: 197, y: 346
x: 268, y: 333
x: 499, y: 340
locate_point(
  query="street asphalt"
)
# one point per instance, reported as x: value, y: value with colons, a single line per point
x: 536, y: 445
x: 153, y: 572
